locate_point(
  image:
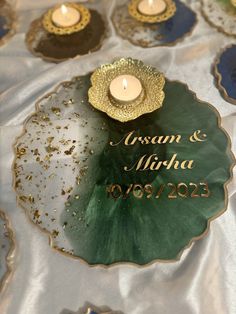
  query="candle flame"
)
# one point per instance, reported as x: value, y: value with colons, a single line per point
x: 125, y: 83
x: 64, y: 9
x: 150, y: 2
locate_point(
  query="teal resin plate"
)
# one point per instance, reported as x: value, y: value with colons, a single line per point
x: 108, y: 192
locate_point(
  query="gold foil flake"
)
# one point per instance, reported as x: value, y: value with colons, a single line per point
x: 56, y: 111
x: 77, y: 115
x: 20, y: 152
x: 83, y: 170
x: 55, y: 233
x: 45, y: 118
x: 69, y: 102
x: 85, y: 17
x: 52, y: 175
x: 36, y: 214
x: 166, y: 15
x: 51, y: 149
x: 18, y: 184
x: 70, y: 151
x: 29, y: 177
x: 77, y: 197
x: 65, y: 142
x: 50, y: 139
x: 25, y: 198
x: 31, y: 199
x: 152, y: 82
x: 36, y: 152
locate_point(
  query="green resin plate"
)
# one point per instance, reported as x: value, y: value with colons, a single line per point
x: 110, y: 192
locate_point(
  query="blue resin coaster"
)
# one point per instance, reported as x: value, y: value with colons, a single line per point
x: 159, y: 34
x: 7, y: 22
x: 4, y: 29
x: 225, y: 73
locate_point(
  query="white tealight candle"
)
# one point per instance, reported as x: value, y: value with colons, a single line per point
x: 65, y: 16
x: 152, y: 7
x: 125, y: 88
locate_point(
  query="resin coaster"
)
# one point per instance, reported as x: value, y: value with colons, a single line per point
x: 225, y: 73
x: 58, y: 48
x: 91, y: 309
x: 220, y: 14
x: 7, y: 22
x: 6, y: 249
x: 159, y: 34
x: 110, y: 192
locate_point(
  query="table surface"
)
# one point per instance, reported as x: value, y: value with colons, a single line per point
x: 44, y: 281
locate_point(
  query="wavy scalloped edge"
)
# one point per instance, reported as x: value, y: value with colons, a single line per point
x: 191, y: 241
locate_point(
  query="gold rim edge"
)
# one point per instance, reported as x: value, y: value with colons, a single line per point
x: 11, y: 253
x: 156, y: 261
x: 218, y: 76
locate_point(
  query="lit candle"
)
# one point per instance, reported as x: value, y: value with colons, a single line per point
x: 233, y: 2
x: 152, y: 7
x: 65, y: 16
x: 125, y: 88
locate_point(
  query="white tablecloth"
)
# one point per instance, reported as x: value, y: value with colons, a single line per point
x: 44, y: 281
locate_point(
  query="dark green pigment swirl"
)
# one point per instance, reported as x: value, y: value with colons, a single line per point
x: 105, y: 231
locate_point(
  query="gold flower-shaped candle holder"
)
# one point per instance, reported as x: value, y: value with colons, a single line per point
x: 144, y: 95
x: 65, y: 32
x: 83, y: 21
x: 169, y: 10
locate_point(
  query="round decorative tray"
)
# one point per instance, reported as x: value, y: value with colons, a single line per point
x: 147, y: 35
x: 108, y: 192
x: 58, y: 48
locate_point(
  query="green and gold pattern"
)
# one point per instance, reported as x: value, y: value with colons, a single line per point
x: 108, y: 192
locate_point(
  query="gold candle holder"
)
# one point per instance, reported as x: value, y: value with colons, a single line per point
x: 67, y: 31
x: 51, y: 27
x: 150, y: 97
x: 135, y: 12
